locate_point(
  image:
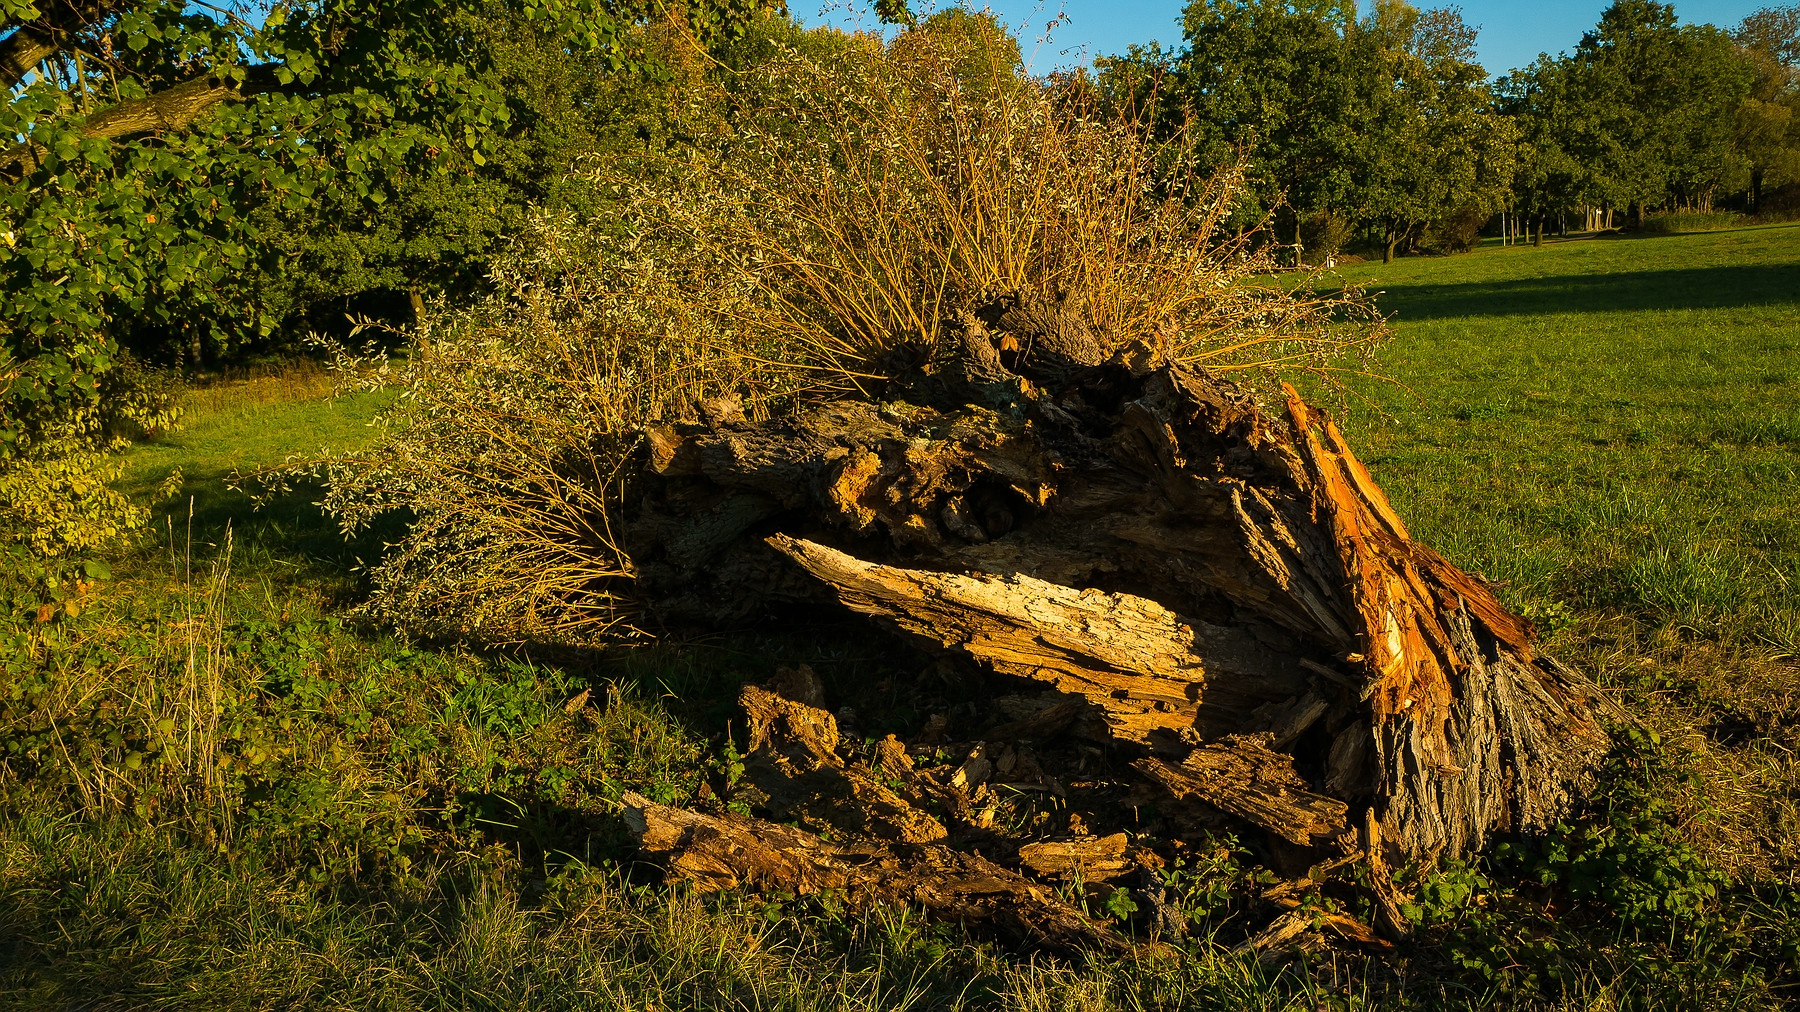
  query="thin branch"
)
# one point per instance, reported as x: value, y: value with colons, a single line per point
x: 173, y: 109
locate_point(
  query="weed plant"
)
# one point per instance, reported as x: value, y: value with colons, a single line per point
x: 874, y: 195
x: 1691, y: 221
x: 56, y: 475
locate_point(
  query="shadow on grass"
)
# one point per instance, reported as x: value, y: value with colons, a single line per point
x: 1687, y: 288
x: 876, y: 685
x: 283, y: 533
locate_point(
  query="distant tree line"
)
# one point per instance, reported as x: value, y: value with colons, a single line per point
x: 1386, y: 125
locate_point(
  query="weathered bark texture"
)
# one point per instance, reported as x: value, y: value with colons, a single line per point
x: 728, y: 851
x: 23, y: 50
x: 1151, y: 674
x: 1228, y: 597
x: 1240, y: 774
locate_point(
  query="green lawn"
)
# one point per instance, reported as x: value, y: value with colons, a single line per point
x: 236, y: 426
x: 1608, y: 426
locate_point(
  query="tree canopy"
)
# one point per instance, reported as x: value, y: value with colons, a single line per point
x: 183, y: 176
x: 1388, y: 122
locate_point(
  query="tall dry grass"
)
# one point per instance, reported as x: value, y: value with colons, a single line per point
x: 843, y: 199
x: 164, y: 689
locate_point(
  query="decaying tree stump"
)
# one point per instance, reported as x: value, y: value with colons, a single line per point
x: 1229, y: 593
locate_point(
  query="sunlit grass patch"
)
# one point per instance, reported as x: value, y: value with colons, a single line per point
x: 1587, y: 422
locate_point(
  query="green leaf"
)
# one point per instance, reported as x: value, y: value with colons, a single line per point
x: 1121, y: 905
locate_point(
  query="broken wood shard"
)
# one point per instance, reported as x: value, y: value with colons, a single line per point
x: 793, y: 760
x: 1245, y: 777
x: 729, y: 851
x: 1143, y: 667
x: 1091, y: 859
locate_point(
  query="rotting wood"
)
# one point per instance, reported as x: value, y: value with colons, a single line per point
x: 1291, y: 929
x: 793, y: 760
x: 1388, y: 914
x: 1244, y: 776
x: 1222, y: 597
x: 1144, y: 538
x: 1282, y: 930
x: 1147, y: 670
x: 1092, y: 858
x: 717, y: 852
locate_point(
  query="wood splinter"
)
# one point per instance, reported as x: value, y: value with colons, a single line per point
x: 717, y: 852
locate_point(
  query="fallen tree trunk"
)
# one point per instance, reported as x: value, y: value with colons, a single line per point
x: 1151, y: 674
x: 1229, y: 593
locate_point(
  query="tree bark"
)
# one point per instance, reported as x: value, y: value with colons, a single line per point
x: 23, y: 50
x: 56, y: 29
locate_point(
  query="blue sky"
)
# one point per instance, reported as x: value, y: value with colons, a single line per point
x: 1513, y: 32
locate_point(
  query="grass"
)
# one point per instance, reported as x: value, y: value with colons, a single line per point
x: 1607, y: 426
x: 241, y: 422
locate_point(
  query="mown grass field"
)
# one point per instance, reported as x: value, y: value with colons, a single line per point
x: 1607, y: 424
x: 1609, y: 427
